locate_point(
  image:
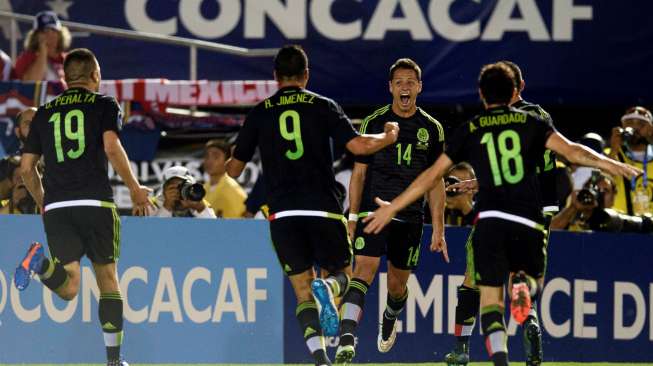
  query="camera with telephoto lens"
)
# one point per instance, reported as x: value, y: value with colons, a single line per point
x: 449, y: 181
x: 612, y: 221
x: 629, y: 135
x: 592, y: 193
x: 191, y: 191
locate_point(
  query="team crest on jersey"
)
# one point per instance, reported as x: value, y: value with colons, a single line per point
x: 360, y: 243
x: 422, y: 139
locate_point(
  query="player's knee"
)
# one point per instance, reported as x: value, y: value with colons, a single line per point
x: 366, y: 269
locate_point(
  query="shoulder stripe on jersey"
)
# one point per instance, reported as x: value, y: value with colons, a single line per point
x: 379, y: 112
x: 436, y: 122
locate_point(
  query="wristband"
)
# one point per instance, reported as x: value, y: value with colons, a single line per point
x: 353, y: 217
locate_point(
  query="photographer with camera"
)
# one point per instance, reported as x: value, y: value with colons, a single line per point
x: 598, y: 193
x: 631, y: 144
x: 19, y: 200
x: 459, y: 205
x: 182, y: 196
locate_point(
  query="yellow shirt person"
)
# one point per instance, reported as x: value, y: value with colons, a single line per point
x: 224, y: 194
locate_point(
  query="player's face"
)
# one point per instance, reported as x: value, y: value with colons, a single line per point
x: 214, y: 161
x: 404, y: 88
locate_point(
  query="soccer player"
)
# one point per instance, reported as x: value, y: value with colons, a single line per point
x: 76, y: 133
x: 386, y: 174
x: 294, y: 130
x: 503, y: 145
x: 468, y: 296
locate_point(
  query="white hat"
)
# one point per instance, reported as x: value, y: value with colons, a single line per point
x: 177, y: 172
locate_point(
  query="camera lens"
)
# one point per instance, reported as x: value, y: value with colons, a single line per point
x: 449, y: 181
x: 191, y: 191
x: 586, y: 196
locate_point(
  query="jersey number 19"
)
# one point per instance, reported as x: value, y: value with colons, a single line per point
x: 74, y: 135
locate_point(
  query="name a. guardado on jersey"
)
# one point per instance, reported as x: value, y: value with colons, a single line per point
x: 291, y: 99
x: 71, y: 99
x: 502, y: 119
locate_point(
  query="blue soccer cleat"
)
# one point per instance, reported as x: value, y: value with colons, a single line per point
x: 329, y: 319
x: 32, y: 263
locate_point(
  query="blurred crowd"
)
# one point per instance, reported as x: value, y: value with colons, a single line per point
x: 588, y: 200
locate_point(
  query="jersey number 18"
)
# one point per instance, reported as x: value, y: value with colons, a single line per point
x: 506, y: 154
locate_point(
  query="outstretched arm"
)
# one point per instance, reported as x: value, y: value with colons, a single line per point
x: 369, y: 144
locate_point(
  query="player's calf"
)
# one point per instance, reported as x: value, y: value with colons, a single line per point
x: 466, y: 309
x: 494, y: 329
x: 309, y: 321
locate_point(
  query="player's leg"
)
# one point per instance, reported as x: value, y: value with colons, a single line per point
x: 469, y: 299
x: 290, y: 237
x: 368, y: 250
x: 60, y: 271
x: 490, y: 270
x: 102, y: 242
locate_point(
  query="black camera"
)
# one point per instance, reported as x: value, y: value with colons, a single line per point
x: 592, y: 193
x: 612, y: 221
x: 630, y: 136
x: 449, y: 180
x: 191, y: 191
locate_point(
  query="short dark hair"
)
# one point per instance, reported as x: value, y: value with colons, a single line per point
x: 515, y: 70
x: 497, y: 83
x: 463, y: 165
x: 79, y: 64
x: 290, y: 62
x: 221, y: 145
x: 405, y: 63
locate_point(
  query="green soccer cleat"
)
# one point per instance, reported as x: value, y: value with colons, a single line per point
x: 459, y: 356
x: 345, y: 354
x: 533, y: 342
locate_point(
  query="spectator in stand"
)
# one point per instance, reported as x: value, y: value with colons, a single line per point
x: 630, y: 144
x: 5, y: 66
x: 23, y: 120
x: 224, y: 194
x: 173, y: 204
x: 45, y: 47
x: 459, y: 209
x: 8, y: 163
x: 19, y: 201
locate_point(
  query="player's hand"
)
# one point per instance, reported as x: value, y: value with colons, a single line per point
x: 351, y: 229
x: 142, y: 206
x: 617, y: 168
x: 464, y: 186
x: 439, y: 244
x: 391, y: 130
x: 378, y: 219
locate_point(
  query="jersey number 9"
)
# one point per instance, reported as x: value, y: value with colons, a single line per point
x: 74, y: 135
x: 295, y: 135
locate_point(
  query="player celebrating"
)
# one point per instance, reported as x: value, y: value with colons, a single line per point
x: 503, y: 145
x: 293, y: 129
x: 386, y: 174
x: 468, y: 296
x: 76, y: 133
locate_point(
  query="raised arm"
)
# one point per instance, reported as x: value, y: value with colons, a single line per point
x: 118, y: 158
x: 369, y: 144
x: 424, y: 182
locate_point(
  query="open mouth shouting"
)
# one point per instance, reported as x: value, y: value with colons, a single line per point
x: 404, y: 99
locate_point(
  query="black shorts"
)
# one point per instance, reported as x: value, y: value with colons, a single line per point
x: 302, y: 242
x: 73, y: 232
x: 399, y: 241
x: 500, y: 247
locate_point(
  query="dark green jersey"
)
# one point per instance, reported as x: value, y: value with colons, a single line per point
x: 391, y: 170
x: 295, y: 130
x: 546, y: 168
x: 68, y: 132
x: 504, y: 145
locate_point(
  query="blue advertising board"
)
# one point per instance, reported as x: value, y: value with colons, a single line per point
x: 572, y: 51
x: 597, y: 305
x: 195, y: 291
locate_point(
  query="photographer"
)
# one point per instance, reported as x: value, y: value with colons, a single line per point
x: 20, y: 201
x: 598, y: 193
x: 630, y: 144
x: 182, y: 196
x: 459, y: 209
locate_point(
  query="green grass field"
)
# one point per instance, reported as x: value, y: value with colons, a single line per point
x: 361, y: 364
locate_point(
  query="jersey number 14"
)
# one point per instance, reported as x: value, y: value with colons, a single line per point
x: 73, y: 135
x: 506, y: 156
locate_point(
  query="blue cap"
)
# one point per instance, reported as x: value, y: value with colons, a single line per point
x: 46, y: 19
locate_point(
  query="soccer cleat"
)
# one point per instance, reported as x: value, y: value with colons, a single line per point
x: 384, y: 345
x: 458, y: 357
x: 120, y: 362
x: 533, y: 342
x: 329, y: 320
x: 345, y: 354
x: 30, y: 264
x: 520, y: 299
